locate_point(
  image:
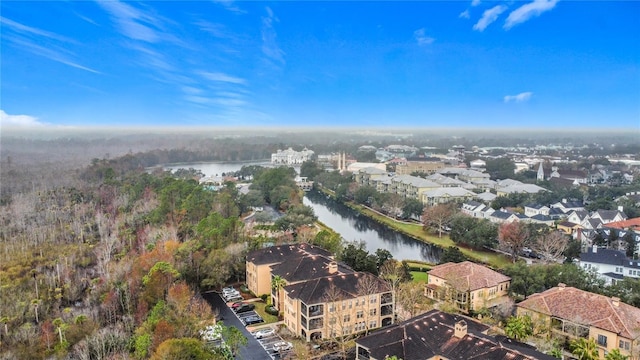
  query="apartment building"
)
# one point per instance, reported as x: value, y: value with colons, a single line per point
x: 337, y: 305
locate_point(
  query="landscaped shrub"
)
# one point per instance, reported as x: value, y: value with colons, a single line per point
x: 271, y: 310
x: 244, y: 288
x: 264, y: 297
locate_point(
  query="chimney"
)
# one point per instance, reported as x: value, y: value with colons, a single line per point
x: 333, y: 267
x: 594, y: 249
x: 561, y: 286
x: 615, y: 301
x: 460, y: 329
x: 564, y: 201
x: 621, y: 208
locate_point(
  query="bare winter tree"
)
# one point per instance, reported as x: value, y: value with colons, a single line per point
x: 438, y: 216
x: 551, y: 246
x: 513, y: 236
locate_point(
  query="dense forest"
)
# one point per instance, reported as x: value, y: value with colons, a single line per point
x: 103, y: 257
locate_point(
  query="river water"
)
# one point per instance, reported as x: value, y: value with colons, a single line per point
x: 345, y: 221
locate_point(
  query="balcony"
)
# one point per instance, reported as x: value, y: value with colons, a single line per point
x: 317, y: 310
x: 386, y: 310
x: 386, y: 298
x: 315, y: 324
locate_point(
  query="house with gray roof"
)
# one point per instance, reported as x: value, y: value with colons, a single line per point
x: 612, y: 265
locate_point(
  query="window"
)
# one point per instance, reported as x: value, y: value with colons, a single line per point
x: 372, y: 324
x: 332, y: 308
x: 346, y: 318
x: 332, y: 320
x: 624, y: 345
x: 602, y: 340
x: 360, y: 314
x: 372, y: 312
x: 373, y: 299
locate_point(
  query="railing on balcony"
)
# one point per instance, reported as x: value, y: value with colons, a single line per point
x: 386, y: 298
x: 315, y: 324
x: 386, y: 310
x: 363, y: 354
x: 317, y: 310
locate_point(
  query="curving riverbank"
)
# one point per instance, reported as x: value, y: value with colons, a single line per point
x: 415, y: 231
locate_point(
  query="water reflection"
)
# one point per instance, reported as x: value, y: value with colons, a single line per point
x: 355, y: 227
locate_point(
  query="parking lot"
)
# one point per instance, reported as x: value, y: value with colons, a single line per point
x: 271, y: 342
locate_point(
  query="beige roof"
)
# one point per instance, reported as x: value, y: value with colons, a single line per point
x: 468, y: 276
x: 586, y: 308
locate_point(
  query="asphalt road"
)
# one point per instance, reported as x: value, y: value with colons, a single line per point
x: 253, y: 350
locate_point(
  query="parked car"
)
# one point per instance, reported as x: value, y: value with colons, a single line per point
x: 244, y: 308
x: 282, y: 346
x: 228, y: 289
x: 264, y: 333
x: 236, y: 304
x: 253, y: 319
x: 233, y: 297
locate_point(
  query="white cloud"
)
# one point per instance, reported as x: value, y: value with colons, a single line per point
x: 488, y: 17
x: 50, y: 52
x: 20, y: 28
x: 475, y: 2
x: 422, y: 38
x: 527, y: 11
x: 522, y: 97
x: 230, y: 5
x: 465, y: 14
x: 269, y: 44
x: 221, y: 77
x: 132, y: 22
x: 19, y: 120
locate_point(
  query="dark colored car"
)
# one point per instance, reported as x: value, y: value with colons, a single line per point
x: 244, y: 308
x: 252, y: 320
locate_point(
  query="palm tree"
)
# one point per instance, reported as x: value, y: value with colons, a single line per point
x: 615, y: 355
x: 584, y: 349
x: 519, y: 327
x: 277, y: 283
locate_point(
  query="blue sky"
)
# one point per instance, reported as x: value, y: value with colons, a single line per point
x: 516, y: 64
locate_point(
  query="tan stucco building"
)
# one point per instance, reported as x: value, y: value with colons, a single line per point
x: 468, y: 285
x: 569, y: 313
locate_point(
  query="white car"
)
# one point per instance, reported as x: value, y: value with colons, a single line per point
x: 232, y: 297
x: 264, y: 333
x: 282, y: 346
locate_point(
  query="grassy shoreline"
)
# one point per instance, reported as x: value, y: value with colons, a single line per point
x: 489, y: 258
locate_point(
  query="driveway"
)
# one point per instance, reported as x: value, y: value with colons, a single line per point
x: 253, y: 350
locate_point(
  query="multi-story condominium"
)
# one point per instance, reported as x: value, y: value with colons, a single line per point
x: 437, y: 335
x: 291, y: 157
x: 409, y: 186
x: 259, y: 263
x: 468, y: 285
x: 569, y: 313
x: 423, y: 167
x: 369, y: 176
x: 445, y: 195
x: 466, y: 175
x: 318, y: 296
x: 337, y: 305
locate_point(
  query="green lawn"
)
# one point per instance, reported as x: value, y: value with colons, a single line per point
x: 492, y: 259
x: 268, y: 318
x: 419, y: 276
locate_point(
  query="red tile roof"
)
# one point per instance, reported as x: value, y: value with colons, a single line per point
x: 586, y: 308
x: 633, y: 224
x: 468, y: 276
